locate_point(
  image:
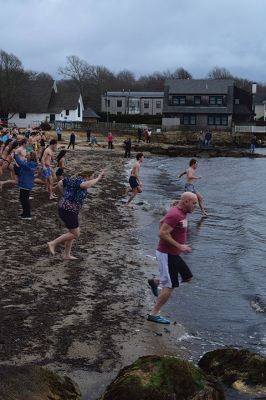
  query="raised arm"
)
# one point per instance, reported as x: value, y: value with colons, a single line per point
x: 182, y: 174
x: 89, y: 183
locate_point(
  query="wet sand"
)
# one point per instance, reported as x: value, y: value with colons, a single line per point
x: 84, y: 318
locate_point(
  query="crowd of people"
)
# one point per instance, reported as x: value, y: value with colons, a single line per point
x: 30, y: 159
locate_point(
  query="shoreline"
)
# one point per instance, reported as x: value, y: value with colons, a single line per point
x: 85, y: 318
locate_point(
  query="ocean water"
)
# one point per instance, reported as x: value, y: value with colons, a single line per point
x: 225, y: 304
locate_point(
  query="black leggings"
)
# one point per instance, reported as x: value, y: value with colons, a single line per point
x: 71, y: 144
x: 24, y: 195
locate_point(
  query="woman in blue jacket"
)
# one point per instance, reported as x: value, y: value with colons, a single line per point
x: 26, y: 181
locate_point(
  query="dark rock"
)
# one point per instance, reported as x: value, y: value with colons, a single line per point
x: 163, y: 378
x: 32, y: 382
x: 193, y: 151
x: 240, y: 369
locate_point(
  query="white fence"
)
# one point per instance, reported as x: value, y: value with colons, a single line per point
x: 250, y: 129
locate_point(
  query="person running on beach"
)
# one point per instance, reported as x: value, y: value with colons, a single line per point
x: 74, y: 191
x: 47, y: 171
x: 189, y: 186
x: 173, y: 235
x: 134, y: 180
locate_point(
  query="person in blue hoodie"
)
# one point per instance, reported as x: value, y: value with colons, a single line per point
x: 26, y: 181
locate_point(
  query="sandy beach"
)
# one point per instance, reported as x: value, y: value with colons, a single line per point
x: 84, y: 318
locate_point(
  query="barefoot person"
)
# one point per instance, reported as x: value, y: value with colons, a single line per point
x: 172, y: 234
x: 189, y: 186
x: 134, y: 180
x: 74, y: 193
x: 47, y: 171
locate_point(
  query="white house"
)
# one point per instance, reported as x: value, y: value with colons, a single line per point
x: 46, y: 100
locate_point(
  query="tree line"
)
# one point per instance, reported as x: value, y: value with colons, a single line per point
x: 93, y: 80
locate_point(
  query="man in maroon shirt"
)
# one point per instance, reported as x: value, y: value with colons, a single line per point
x: 172, y: 234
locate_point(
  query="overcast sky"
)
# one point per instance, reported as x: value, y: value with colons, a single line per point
x: 142, y: 36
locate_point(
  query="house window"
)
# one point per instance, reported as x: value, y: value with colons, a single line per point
x: 179, y: 100
x: 146, y: 104
x: 197, y: 100
x: 119, y: 103
x: 237, y: 101
x: 215, y: 100
x: 67, y: 112
x: 158, y: 104
x: 218, y: 120
x: 22, y: 115
x: 189, y: 119
x: 78, y: 110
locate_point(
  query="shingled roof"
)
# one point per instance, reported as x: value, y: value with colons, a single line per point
x: 66, y: 97
x: 259, y: 98
x: 39, y: 96
x: 35, y: 96
x: 198, y: 86
x: 90, y: 113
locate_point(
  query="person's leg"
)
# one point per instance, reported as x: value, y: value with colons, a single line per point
x: 66, y: 237
x: 69, y: 145
x: 200, y: 200
x: 134, y: 193
x: 50, y: 187
x: 25, y: 202
x: 163, y: 297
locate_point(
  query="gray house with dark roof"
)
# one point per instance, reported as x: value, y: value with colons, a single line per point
x: 204, y: 103
x: 129, y: 102
x: 46, y: 100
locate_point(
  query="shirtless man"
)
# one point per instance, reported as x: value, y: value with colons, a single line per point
x: 47, y: 171
x: 189, y: 186
x: 22, y: 153
x: 134, y: 180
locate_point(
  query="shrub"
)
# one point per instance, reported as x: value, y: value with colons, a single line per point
x: 45, y: 126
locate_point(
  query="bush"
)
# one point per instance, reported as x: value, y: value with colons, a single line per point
x: 45, y: 126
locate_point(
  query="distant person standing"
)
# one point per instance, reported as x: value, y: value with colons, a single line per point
x: 173, y: 235
x: 139, y: 133
x: 72, y: 140
x: 127, y: 144
x: 146, y: 135
x: 201, y: 140
x: 88, y: 132
x: 208, y: 138
x: 253, y: 144
x: 149, y: 136
x: 110, y: 140
x: 59, y: 133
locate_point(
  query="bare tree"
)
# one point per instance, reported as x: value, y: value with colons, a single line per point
x: 219, y: 73
x: 181, y: 73
x: 12, y: 79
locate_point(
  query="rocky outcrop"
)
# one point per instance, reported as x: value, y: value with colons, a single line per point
x: 239, y: 369
x: 161, y: 378
x: 192, y: 151
x: 33, y: 382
